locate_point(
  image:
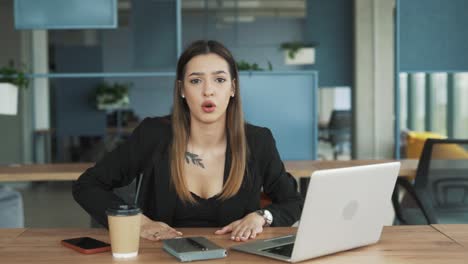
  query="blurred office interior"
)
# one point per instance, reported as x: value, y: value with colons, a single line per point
x: 362, y: 87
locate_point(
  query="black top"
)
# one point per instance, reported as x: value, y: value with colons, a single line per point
x: 147, y: 153
x: 202, y: 214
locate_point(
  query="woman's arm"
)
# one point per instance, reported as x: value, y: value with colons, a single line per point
x: 279, y: 185
x: 93, y: 189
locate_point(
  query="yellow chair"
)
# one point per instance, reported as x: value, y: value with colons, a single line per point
x: 415, y: 142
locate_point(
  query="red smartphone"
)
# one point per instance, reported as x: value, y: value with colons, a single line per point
x: 86, y: 245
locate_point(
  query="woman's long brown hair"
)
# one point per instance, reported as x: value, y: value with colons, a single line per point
x: 181, y: 124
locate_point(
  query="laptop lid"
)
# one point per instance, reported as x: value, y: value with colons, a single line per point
x: 345, y: 208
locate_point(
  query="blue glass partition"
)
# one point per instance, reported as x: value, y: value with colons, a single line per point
x: 286, y: 103
x: 69, y: 14
x: 154, y: 30
x: 433, y: 35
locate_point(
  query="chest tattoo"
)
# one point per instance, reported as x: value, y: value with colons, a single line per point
x: 196, y: 160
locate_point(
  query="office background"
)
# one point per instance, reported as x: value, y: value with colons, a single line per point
x: 373, y: 57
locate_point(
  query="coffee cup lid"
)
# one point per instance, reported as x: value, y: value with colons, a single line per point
x: 123, y: 210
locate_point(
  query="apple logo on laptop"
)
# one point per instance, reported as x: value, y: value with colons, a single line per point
x: 349, y: 211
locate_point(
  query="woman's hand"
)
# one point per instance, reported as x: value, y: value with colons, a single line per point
x: 155, y: 231
x: 245, y: 228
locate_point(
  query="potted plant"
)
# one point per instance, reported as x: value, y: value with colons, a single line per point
x: 11, y: 79
x: 242, y: 65
x: 112, y: 96
x: 298, y: 53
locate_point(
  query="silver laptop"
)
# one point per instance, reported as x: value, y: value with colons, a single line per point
x: 344, y: 209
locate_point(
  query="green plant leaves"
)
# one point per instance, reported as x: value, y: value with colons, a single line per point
x: 10, y: 74
x: 112, y: 96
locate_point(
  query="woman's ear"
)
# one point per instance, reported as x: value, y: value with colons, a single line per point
x: 181, y: 88
x: 233, y: 88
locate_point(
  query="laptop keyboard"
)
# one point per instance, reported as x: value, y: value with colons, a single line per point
x: 282, y: 240
x: 284, y: 250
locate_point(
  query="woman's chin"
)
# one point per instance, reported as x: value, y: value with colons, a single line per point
x: 209, y: 118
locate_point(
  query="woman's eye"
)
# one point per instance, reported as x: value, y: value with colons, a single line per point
x: 220, y: 80
x: 195, y: 81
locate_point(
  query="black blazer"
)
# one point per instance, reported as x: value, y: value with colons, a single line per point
x: 147, y: 152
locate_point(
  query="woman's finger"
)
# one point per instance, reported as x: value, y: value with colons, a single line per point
x: 253, y: 235
x: 235, y: 232
x: 167, y: 235
x: 239, y: 232
x: 224, y: 230
x: 246, y: 234
x: 175, y: 231
x: 227, y: 229
x: 155, y: 231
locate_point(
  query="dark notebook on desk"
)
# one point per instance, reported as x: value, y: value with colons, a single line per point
x: 193, y: 248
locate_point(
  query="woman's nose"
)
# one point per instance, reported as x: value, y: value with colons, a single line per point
x: 208, y: 90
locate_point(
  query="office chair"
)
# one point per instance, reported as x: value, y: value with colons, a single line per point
x: 338, y: 131
x: 440, y: 190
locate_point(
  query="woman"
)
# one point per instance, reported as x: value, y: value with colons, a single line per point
x: 202, y: 166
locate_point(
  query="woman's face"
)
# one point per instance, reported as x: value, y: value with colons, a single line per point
x: 207, y: 88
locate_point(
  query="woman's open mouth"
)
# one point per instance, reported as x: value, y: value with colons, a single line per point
x: 208, y: 106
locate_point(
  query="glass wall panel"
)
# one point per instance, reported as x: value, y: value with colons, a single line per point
x: 334, y: 111
x: 414, y: 101
x: 58, y: 14
x: 417, y: 101
x: 403, y: 101
x: 461, y: 110
x: 439, y: 120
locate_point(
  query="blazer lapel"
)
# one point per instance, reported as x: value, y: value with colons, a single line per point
x: 158, y: 196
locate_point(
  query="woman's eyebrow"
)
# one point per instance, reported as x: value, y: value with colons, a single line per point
x: 196, y: 73
x: 214, y: 73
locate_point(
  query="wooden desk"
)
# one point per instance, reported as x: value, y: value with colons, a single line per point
x: 9, y: 235
x: 409, y: 244
x: 459, y: 233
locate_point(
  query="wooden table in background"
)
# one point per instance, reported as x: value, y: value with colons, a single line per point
x: 43, y: 172
x: 398, y: 244
x: 306, y: 167
x: 71, y: 171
